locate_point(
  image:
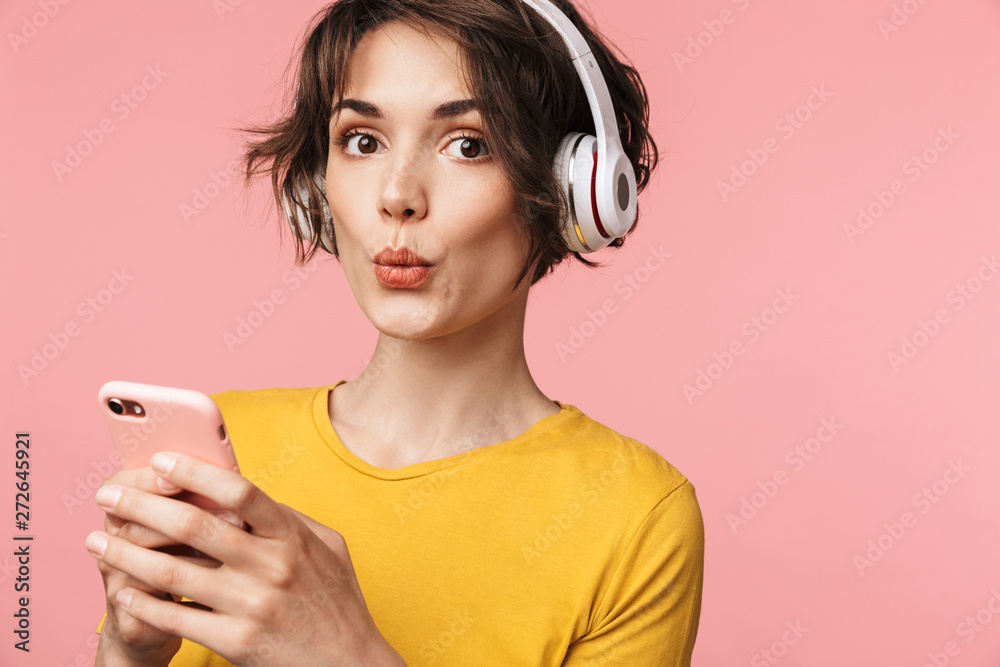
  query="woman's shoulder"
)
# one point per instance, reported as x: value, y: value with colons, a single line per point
x: 604, y: 459
x: 268, y: 425
x: 263, y: 411
x: 274, y: 398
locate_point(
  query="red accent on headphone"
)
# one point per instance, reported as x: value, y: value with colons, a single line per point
x: 593, y: 197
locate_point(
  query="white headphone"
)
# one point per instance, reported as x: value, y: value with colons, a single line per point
x: 597, y: 176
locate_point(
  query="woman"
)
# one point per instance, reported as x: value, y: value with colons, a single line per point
x: 487, y: 524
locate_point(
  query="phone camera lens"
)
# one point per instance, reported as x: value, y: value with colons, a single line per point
x: 116, y: 406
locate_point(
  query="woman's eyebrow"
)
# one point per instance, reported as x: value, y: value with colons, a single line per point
x: 441, y: 111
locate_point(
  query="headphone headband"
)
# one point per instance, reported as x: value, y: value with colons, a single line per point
x: 583, y: 60
x: 614, y: 197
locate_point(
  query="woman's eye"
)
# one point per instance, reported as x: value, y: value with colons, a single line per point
x: 467, y: 147
x: 360, y: 143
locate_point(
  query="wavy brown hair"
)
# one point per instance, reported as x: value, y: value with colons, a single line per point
x: 519, y: 72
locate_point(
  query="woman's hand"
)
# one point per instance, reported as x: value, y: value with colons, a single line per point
x: 284, y: 593
x: 123, y: 637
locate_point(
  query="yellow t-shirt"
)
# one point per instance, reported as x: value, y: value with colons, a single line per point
x: 569, y: 544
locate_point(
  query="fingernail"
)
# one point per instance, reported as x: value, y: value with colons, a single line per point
x: 162, y: 463
x: 96, y: 544
x: 165, y: 486
x: 231, y: 518
x: 124, y: 598
x: 107, y: 496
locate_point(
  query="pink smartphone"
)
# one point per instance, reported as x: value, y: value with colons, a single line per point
x: 144, y: 419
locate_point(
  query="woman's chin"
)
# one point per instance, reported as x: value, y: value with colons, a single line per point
x: 405, y: 326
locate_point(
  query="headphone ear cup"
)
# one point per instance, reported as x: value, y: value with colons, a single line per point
x: 326, y: 239
x: 574, y: 167
x: 303, y: 228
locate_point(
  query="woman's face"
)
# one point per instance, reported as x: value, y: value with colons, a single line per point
x: 408, y: 167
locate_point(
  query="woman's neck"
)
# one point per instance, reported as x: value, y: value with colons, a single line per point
x: 430, y: 399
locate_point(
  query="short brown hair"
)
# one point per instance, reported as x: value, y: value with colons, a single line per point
x: 519, y: 72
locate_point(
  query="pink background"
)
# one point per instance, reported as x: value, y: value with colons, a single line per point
x: 855, y: 296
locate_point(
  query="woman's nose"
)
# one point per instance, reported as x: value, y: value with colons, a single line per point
x: 403, y: 194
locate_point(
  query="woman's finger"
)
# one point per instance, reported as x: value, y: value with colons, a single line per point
x: 138, y: 534
x: 142, y: 478
x: 179, y: 522
x: 228, y: 488
x: 184, y: 619
x: 162, y: 572
x: 141, y: 536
